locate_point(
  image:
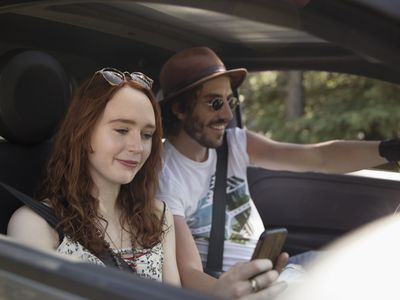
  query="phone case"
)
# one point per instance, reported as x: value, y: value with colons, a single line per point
x: 270, y: 244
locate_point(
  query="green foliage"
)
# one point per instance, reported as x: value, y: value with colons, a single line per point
x: 337, y: 106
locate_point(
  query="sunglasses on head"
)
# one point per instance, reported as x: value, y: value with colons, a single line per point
x: 116, y: 77
x: 216, y: 103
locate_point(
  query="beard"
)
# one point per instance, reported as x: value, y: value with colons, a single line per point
x: 196, y: 129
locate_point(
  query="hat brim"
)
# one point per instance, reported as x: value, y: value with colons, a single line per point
x: 237, y: 76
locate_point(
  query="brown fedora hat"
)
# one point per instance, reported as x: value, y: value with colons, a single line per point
x: 191, y: 67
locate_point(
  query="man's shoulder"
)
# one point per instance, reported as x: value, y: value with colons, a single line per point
x: 169, y: 155
x: 171, y: 164
x: 236, y: 135
x: 235, y: 131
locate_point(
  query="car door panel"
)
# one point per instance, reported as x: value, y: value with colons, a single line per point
x: 317, y: 208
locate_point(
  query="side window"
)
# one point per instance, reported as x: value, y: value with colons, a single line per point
x: 310, y: 106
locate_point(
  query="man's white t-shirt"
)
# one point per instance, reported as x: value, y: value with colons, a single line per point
x: 187, y: 187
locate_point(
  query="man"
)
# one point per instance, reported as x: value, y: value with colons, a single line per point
x: 197, y: 107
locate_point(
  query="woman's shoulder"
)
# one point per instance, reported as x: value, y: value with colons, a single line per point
x: 27, y: 226
x: 164, y: 212
x: 24, y: 216
x: 161, y: 207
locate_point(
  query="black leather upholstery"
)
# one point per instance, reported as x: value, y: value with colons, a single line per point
x: 34, y: 93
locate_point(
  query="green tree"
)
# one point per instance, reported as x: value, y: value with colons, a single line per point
x: 337, y: 106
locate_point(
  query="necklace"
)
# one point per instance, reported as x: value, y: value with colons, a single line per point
x: 115, y: 254
x: 112, y: 242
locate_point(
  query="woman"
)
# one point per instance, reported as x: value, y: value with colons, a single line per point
x: 101, y: 180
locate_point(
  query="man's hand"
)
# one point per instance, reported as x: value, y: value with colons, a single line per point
x: 281, y: 261
x: 251, y: 280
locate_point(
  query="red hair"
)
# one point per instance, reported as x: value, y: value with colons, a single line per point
x: 68, y: 183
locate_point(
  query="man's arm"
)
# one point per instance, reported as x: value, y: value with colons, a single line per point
x: 328, y: 157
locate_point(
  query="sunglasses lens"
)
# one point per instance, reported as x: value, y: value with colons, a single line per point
x: 216, y: 103
x: 114, y: 78
x: 144, y: 80
x: 233, y: 102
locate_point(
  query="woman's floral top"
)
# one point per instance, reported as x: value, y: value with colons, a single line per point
x: 147, y: 263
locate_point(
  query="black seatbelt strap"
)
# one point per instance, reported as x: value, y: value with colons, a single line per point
x: 42, y: 210
x: 47, y: 213
x: 217, y: 235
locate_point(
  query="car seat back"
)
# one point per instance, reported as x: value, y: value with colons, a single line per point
x: 34, y: 93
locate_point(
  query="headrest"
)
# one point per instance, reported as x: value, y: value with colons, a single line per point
x: 34, y: 94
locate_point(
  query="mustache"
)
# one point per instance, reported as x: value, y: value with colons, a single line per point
x: 219, y: 121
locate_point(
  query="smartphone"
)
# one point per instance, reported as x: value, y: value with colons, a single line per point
x: 270, y: 244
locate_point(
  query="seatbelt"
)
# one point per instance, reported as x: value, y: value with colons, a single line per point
x: 47, y: 213
x: 217, y: 235
x: 42, y: 210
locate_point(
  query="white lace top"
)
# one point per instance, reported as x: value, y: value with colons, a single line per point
x: 147, y: 263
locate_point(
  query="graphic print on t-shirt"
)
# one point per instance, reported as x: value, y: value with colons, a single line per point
x: 238, y: 209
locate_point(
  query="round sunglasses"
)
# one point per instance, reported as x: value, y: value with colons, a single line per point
x: 216, y: 103
x: 117, y: 77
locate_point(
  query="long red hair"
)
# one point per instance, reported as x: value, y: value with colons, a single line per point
x: 68, y: 183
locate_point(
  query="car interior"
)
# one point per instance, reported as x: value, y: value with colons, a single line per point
x: 34, y: 88
x: 54, y: 45
x: 318, y: 208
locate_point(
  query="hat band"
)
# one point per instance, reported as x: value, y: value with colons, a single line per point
x: 202, y: 74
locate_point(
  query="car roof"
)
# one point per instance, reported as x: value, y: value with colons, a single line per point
x: 258, y: 35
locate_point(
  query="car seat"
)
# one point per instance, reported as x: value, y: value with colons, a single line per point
x: 34, y: 93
